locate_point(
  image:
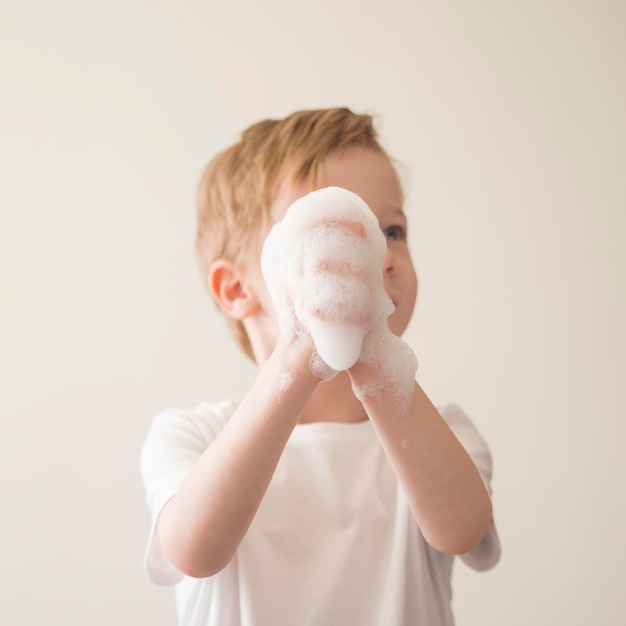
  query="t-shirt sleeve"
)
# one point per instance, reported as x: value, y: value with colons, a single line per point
x: 487, y: 553
x: 174, y: 443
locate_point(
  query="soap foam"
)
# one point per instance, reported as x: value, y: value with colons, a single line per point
x: 395, y: 363
x: 323, y: 268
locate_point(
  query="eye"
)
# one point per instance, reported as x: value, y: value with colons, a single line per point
x: 394, y: 233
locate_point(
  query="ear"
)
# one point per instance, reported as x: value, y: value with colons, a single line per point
x: 231, y: 291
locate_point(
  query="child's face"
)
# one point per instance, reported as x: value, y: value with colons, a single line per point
x: 370, y: 175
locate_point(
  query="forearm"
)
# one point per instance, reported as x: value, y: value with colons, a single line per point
x: 202, y: 525
x: 444, y: 489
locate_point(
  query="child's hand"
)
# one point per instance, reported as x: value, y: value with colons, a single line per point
x: 386, y: 368
x: 338, y: 296
x: 323, y: 266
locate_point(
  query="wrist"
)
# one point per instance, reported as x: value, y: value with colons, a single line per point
x: 296, y: 359
x: 386, y: 368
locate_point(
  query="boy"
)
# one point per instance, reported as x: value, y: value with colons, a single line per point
x: 323, y: 497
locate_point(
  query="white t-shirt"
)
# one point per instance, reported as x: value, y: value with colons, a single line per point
x: 333, y: 543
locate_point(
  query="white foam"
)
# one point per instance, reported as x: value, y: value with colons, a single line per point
x: 323, y: 267
x: 395, y: 363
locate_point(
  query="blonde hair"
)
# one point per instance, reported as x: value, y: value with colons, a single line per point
x: 239, y: 185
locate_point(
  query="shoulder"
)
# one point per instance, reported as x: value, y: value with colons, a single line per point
x: 462, y: 426
x: 469, y: 436
x: 203, y: 421
x: 176, y: 436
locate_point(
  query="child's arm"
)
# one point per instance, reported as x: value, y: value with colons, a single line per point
x: 331, y: 239
x: 445, y: 491
x: 202, y: 525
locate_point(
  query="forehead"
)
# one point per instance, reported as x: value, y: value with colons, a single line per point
x: 369, y: 174
x: 364, y: 171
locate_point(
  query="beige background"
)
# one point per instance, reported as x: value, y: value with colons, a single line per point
x: 510, y: 120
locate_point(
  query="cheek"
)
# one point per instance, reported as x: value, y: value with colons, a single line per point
x: 398, y: 322
x: 411, y: 283
x: 415, y: 286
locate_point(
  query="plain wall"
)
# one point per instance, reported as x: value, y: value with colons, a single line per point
x: 509, y: 120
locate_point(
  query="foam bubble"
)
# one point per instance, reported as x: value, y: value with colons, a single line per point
x: 323, y: 267
x: 395, y: 363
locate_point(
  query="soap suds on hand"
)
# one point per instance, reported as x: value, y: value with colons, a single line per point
x: 323, y: 268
